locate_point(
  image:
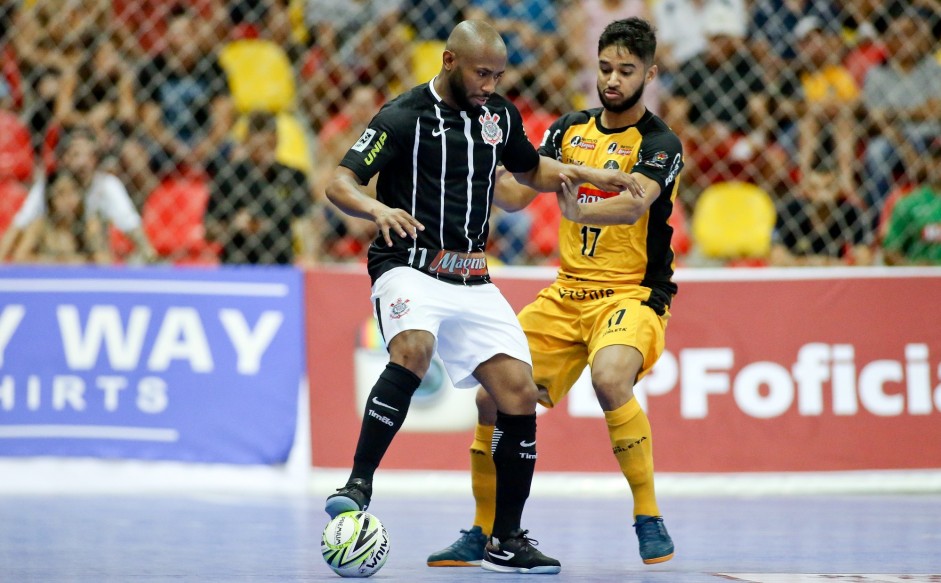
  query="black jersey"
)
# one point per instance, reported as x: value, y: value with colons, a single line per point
x: 439, y: 164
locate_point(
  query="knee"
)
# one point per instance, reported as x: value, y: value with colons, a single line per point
x: 486, y: 408
x: 613, y: 388
x: 413, y: 350
x: 517, y: 398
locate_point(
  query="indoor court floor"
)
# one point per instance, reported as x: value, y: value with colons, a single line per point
x: 261, y: 538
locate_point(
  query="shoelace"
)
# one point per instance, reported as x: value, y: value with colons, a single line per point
x: 652, y: 524
x: 352, y: 486
x: 467, y: 537
x: 526, y: 540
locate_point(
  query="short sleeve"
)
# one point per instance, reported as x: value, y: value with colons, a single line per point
x: 519, y: 155
x: 551, y: 145
x: 374, y: 148
x: 660, y: 158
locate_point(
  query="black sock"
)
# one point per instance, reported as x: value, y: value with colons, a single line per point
x: 385, y: 412
x: 514, y: 455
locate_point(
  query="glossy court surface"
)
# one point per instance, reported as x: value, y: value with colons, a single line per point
x: 230, y: 538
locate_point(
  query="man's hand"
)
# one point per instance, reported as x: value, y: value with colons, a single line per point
x: 614, y: 181
x: 624, y: 208
x: 393, y: 219
x: 568, y: 200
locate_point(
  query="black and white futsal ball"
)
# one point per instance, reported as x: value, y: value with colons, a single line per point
x: 355, y: 544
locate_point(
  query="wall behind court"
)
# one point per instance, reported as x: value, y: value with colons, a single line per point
x: 765, y: 370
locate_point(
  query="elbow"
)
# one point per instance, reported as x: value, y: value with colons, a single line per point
x: 632, y: 219
x: 332, y: 191
x: 636, y: 208
x: 632, y: 216
x: 509, y: 206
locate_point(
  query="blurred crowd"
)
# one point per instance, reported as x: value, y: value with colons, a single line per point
x: 204, y: 131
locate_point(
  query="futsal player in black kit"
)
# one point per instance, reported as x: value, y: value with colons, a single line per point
x: 436, y: 149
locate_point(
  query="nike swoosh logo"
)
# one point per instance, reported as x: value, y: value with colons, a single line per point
x: 505, y: 555
x: 438, y: 133
x: 524, y: 443
x: 381, y: 404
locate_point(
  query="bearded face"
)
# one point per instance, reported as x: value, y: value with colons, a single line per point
x: 616, y: 105
x: 622, y: 77
x: 460, y: 92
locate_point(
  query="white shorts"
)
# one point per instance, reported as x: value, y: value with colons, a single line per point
x: 470, y: 323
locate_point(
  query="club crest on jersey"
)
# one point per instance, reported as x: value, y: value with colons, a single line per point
x: 612, y: 147
x: 398, y: 308
x: 490, y: 130
x: 611, y: 165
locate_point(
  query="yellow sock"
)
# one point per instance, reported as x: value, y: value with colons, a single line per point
x: 483, y: 478
x: 632, y: 443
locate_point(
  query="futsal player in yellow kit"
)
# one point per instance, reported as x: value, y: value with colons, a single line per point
x: 609, y: 306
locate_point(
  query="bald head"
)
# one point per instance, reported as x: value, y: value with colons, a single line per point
x: 475, y: 37
x: 471, y: 66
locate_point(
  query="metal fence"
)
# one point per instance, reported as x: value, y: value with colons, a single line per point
x: 804, y: 123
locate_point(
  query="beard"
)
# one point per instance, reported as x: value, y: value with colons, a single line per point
x: 459, y: 92
x: 629, y: 102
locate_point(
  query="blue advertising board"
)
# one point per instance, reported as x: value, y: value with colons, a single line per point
x: 197, y: 365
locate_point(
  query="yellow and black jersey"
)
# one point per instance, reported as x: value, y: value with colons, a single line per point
x: 638, y: 254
